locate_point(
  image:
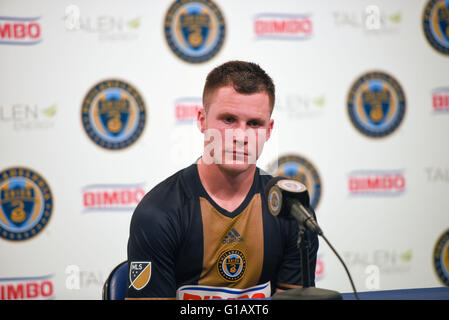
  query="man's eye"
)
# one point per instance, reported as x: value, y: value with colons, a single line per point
x: 229, y: 120
x: 254, y: 123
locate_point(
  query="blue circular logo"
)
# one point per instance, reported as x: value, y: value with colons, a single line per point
x: 436, y: 25
x: 299, y: 168
x: 194, y: 29
x: 232, y: 265
x: 274, y: 200
x: 376, y: 104
x: 113, y: 114
x: 26, y: 204
x: 441, y: 258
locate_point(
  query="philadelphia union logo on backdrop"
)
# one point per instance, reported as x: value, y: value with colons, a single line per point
x: 441, y: 258
x: 436, y: 24
x: 113, y: 114
x: 194, y: 29
x: 26, y: 204
x: 299, y: 168
x: 376, y: 104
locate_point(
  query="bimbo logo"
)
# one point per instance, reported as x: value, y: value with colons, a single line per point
x: 186, y: 109
x: 372, y: 182
x: 283, y: 26
x: 320, y: 268
x: 20, y: 30
x: 440, y: 99
x: 37, y: 288
x: 112, y: 197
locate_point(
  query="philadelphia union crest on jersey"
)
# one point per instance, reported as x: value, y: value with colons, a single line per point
x: 113, y: 114
x: 376, y: 104
x: 232, y: 265
x: 298, y: 168
x: 436, y: 25
x: 441, y: 258
x: 194, y: 30
x: 26, y: 204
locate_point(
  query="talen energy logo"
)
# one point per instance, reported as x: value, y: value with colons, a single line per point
x: 27, y: 116
x: 283, y: 26
x: 112, y: 197
x: 20, y: 30
x: 29, y: 288
x: 374, y: 182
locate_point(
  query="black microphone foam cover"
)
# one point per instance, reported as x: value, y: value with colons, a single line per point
x: 273, y: 195
x: 279, y: 189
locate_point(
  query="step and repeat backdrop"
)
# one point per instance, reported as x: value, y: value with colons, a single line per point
x: 98, y: 103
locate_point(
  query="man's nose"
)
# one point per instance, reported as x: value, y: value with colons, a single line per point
x: 240, y: 133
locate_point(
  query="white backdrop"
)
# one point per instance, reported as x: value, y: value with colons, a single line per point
x: 387, y: 237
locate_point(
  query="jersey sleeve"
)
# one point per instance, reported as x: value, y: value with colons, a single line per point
x: 152, y: 247
x: 289, y: 274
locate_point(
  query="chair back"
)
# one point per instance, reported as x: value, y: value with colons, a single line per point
x: 114, y: 287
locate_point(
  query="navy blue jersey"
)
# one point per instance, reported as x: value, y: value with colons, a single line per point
x: 182, y: 244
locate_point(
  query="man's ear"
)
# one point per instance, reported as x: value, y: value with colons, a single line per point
x: 201, y: 119
x: 270, y: 127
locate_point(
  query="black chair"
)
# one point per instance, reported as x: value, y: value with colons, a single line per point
x: 115, y: 286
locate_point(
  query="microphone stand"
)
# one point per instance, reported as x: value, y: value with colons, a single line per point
x: 297, y: 198
x: 307, y: 292
x: 304, y: 244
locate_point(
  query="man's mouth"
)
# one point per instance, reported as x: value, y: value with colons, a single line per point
x: 237, y: 153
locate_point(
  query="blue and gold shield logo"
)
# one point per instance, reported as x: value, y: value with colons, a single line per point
x: 194, y: 29
x: 113, y: 114
x: 299, y: 168
x: 436, y: 24
x: 232, y: 265
x: 26, y: 204
x: 139, y: 274
x: 376, y: 104
x: 441, y: 258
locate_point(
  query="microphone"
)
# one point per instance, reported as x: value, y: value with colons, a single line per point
x: 289, y: 198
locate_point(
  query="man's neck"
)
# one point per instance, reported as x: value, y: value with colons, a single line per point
x: 228, y: 189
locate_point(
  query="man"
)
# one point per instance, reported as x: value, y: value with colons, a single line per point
x: 206, y: 232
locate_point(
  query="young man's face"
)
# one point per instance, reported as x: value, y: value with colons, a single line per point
x: 235, y: 128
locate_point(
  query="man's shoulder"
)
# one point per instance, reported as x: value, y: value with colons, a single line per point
x: 168, y: 194
x: 264, y: 176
